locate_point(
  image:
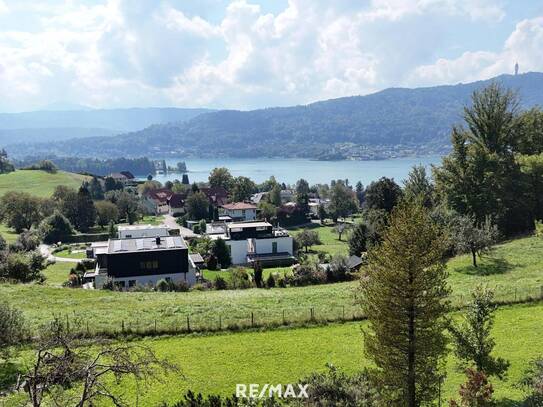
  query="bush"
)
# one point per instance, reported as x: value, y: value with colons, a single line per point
x: 533, y: 383
x: 220, y: 283
x: 282, y: 282
x: 12, y: 327
x: 55, y: 228
x: 270, y: 282
x: 335, y: 388
x: 27, y: 241
x: 239, y: 278
x: 338, y: 270
x: 211, y: 262
x: 23, y: 267
x: 307, y: 274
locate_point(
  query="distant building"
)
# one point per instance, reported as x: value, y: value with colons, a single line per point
x: 176, y: 204
x: 258, y: 197
x: 142, y: 261
x: 156, y: 201
x: 138, y: 231
x: 257, y: 241
x: 238, y: 211
x: 217, y: 195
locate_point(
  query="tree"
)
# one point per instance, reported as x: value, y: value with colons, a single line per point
x: 342, y: 201
x: 23, y: 267
x: 95, y: 189
x: 307, y: 238
x: 20, y: 210
x: 257, y: 272
x: 242, y: 189
x: 55, y: 228
x: 418, y: 186
x: 342, y: 227
x: 112, y: 230
x: 470, y: 238
x: 220, y: 177
x: 275, y: 195
x: 185, y: 179
x: 197, y: 206
x: 128, y: 206
x: 473, y: 341
x: 302, y: 195
x: 383, y: 194
x: 476, y: 392
x: 322, y: 213
x: 404, y: 296
x: 360, y: 193
x: 80, y: 370
x: 85, y: 210
x: 5, y: 165
x: 267, y: 210
x: 220, y: 250
x: 111, y: 185
x: 359, y: 240
x: 106, y: 212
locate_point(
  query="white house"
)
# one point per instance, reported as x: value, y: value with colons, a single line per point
x: 238, y: 211
x: 137, y: 231
x: 258, y: 241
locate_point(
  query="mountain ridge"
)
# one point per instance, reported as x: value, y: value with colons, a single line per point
x: 396, y: 120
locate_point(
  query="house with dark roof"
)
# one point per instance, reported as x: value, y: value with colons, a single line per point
x: 238, y: 211
x: 142, y: 261
x: 156, y: 201
x: 217, y: 195
x: 176, y: 204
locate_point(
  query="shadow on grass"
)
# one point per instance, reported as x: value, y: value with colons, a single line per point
x: 487, y: 267
x: 508, y: 403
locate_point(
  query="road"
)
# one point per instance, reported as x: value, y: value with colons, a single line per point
x: 45, y: 251
x: 170, y: 222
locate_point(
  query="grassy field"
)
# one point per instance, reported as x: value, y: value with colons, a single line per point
x: 7, y: 233
x: 212, y: 274
x: 57, y: 273
x: 330, y: 243
x: 39, y: 183
x: 515, y: 265
x: 214, y: 364
x: 68, y: 254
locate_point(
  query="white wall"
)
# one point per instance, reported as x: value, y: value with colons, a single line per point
x: 238, y: 248
x: 250, y: 214
x: 148, y: 232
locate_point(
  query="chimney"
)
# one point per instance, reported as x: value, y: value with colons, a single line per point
x: 157, y: 240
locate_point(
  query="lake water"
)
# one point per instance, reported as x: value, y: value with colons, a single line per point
x: 291, y: 170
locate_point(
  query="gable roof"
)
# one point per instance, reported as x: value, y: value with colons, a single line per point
x: 354, y: 262
x: 128, y: 174
x: 117, y: 175
x: 177, y: 200
x: 216, y: 195
x: 160, y: 194
x: 238, y: 206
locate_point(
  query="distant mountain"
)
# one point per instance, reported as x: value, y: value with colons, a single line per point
x: 392, y: 122
x: 53, y: 124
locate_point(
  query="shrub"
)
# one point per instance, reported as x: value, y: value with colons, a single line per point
x: 270, y: 282
x: 335, y: 388
x: 533, y: 383
x: 12, y: 327
x: 282, y: 282
x: 163, y: 285
x: 338, y: 270
x: 220, y: 283
x: 55, y: 228
x: 538, y: 228
x: 239, y: 278
x: 476, y: 392
x: 211, y: 262
x: 221, y: 252
x: 27, y: 241
x: 23, y: 267
x: 307, y: 274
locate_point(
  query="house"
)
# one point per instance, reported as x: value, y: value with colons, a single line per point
x: 258, y: 241
x: 287, y: 195
x: 314, y: 204
x: 238, y: 211
x: 176, y: 204
x: 217, y: 195
x: 258, y: 197
x: 354, y: 263
x: 142, y: 261
x: 138, y: 231
x: 119, y: 177
x: 156, y: 201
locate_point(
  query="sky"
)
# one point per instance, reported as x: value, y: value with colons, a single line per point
x: 248, y: 54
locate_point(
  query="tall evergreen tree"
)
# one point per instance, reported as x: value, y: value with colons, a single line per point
x: 86, y: 212
x: 404, y: 296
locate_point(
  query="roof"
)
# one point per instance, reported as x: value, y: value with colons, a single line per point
x: 238, y: 206
x: 160, y: 194
x: 196, y: 257
x: 261, y: 224
x: 217, y: 195
x: 117, y: 175
x: 354, y: 262
x: 177, y: 201
x: 128, y: 174
x: 256, y: 198
x: 145, y: 244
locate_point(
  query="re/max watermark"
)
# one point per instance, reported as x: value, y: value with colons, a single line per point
x: 258, y: 391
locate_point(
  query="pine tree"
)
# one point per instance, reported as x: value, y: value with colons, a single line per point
x: 404, y: 295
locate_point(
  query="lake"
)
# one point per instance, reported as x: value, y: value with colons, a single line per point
x: 291, y: 170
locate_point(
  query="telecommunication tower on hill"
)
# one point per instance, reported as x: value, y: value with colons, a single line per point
x: 516, y: 68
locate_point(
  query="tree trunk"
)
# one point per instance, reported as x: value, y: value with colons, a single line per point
x: 474, y: 256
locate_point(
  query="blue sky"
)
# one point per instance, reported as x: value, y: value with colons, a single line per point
x: 247, y: 54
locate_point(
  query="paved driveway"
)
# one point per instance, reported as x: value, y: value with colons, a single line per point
x: 169, y: 222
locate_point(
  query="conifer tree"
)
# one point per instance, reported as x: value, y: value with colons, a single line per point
x: 405, y: 299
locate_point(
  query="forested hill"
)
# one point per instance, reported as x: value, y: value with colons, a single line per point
x: 396, y: 119
x: 51, y: 125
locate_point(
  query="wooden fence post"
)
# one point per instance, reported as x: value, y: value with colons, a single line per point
x: 343, y: 314
x: 284, y: 321
x: 155, y: 325
x: 188, y: 323
x: 220, y: 322
x: 252, y: 319
x: 122, y: 325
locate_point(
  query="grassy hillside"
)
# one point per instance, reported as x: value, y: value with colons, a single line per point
x: 39, y: 183
x: 214, y: 364
x: 514, y: 266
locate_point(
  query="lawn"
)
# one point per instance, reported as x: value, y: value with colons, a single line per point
x: 523, y: 272
x: 57, y: 273
x: 330, y: 243
x: 212, y: 274
x: 214, y: 364
x: 7, y: 233
x: 68, y: 254
x: 39, y: 183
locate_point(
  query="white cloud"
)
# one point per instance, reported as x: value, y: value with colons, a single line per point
x: 524, y: 45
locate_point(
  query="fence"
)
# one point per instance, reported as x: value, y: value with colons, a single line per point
x: 259, y: 318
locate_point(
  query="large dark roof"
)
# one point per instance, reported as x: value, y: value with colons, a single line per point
x: 177, y: 201
x: 145, y: 244
x: 160, y: 194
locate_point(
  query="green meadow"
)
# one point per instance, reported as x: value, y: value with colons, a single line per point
x: 39, y: 183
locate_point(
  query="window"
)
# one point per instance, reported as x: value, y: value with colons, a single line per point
x: 149, y: 265
x: 274, y: 247
x: 131, y: 283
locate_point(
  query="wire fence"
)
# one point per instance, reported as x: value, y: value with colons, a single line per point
x: 262, y: 318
